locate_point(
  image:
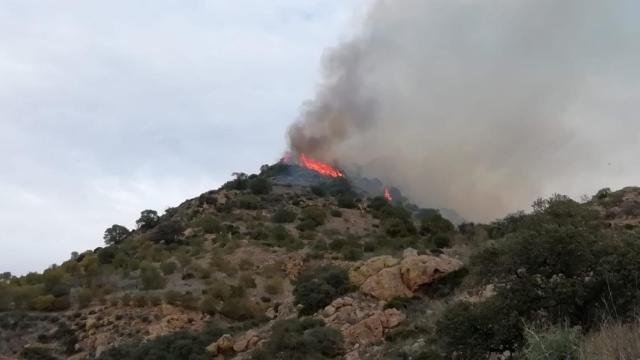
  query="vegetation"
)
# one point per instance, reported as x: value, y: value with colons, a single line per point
x: 315, y: 288
x: 299, y: 340
x: 115, y: 235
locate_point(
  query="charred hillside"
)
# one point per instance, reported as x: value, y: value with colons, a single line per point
x: 294, y: 263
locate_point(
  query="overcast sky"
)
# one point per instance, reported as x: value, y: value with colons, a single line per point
x: 111, y: 107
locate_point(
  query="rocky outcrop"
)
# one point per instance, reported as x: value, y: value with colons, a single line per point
x: 424, y: 269
x: 223, y: 345
x: 386, y: 278
x: 359, y: 274
x: 362, y: 320
x: 386, y: 285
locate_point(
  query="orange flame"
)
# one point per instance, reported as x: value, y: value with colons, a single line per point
x: 320, y: 167
x: 387, y: 194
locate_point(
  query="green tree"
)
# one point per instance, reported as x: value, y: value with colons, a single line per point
x: 115, y: 234
x: 148, y: 220
x: 260, y: 186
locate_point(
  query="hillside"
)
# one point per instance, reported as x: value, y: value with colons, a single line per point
x: 291, y: 264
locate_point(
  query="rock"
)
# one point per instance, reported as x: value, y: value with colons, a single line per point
x: 359, y: 274
x: 424, y: 269
x: 347, y: 301
x: 223, y: 345
x: 329, y: 310
x: 409, y: 252
x: 392, y: 318
x: 386, y: 285
x: 240, y: 345
x: 212, y: 348
x: 371, y: 329
x: 352, y: 356
x: 91, y: 323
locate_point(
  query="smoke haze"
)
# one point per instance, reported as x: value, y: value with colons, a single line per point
x: 481, y: 106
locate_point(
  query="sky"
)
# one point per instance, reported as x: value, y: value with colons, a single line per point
x: 108, y: 108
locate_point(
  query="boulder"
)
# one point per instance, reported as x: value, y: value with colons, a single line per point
x: 223, y: 345
x: 386, y: 285
x: 372, y: 329
x: 419, y: 270
x: 360, y: 273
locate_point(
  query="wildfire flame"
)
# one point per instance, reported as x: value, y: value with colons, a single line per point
x: 387, y: 194
x: 320, y: 167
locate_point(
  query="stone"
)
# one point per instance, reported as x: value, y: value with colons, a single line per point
x: 329, y: 310
x: 386, y: 285
x: 360, y: 273
x: 392, y: 318
x: 409, y: 252
x: 224, y: 344
x: 371, y: 329
x: 419, y: 270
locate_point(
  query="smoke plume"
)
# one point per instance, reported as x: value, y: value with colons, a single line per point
x: 481, y: 106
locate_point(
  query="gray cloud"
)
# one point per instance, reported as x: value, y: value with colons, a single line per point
x: 108, y: 108
x: 483, y: 106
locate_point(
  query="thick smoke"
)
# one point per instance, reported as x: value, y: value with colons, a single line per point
x: 481, y: 106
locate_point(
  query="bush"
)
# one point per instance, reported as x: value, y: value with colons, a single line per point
x: 260, y: 186
x: 237, y: 309
x: 209, y: 305
x: 169, y: 232
x: 172, y: 297
x: 178, y: 345
x: 346, y: 201
x: 37, y: 353
x: 274, y: 286
x: 441, y: 241
x: 168, y: 267
x: 151, y: 278
x: 313, y: 217
x: 283, y: 215
x: 432, y: 222
x: 301, y: 339
x: 247, y: 281
x: 248, y: 202
x: 318, y: 191
x: 84, y: 297
x: 397, y: 228
x: 472, y: 331
x: 554, y: 343
x: 209, y: 224
x: 316, y: 288
x: 140, y: 300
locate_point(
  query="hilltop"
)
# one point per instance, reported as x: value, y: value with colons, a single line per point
x: 292, y: 264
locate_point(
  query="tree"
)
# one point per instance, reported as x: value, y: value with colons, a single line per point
x: 148, y: 219
x: 115, y: 234
x: 316, y: 288
x: 260, y: 186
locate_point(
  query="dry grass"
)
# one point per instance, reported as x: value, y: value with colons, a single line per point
x: 613, y: 342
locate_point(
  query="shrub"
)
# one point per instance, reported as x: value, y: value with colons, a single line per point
x: 260, y: 186
x: 301, y: 339
x: 318, y: 191
x: 178, y: 345
x: 140, y: 300
x: 274, y: 286
x: 346, y: 201
x: 472, y: 331
x: 37, y: 353
x: 432, y: 222
x: 313, y: 217
x: 248, y: 202
x: 169, y: 232
x: 352, y: 253
x: 168, y: 267
x: 209, y: 224
x: 441, y: 241
x: 84, y: 297
x: 247, y: 281
x: 151, y: 278
x: 209, y: 305
x: 172, y: 297
x: 154, y: 300
x: 554, y: 343
x: 396, y: 227
x: 237, y: 309
x: 315, y: 288
x: 43, y: 303
x: 283, y: 215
